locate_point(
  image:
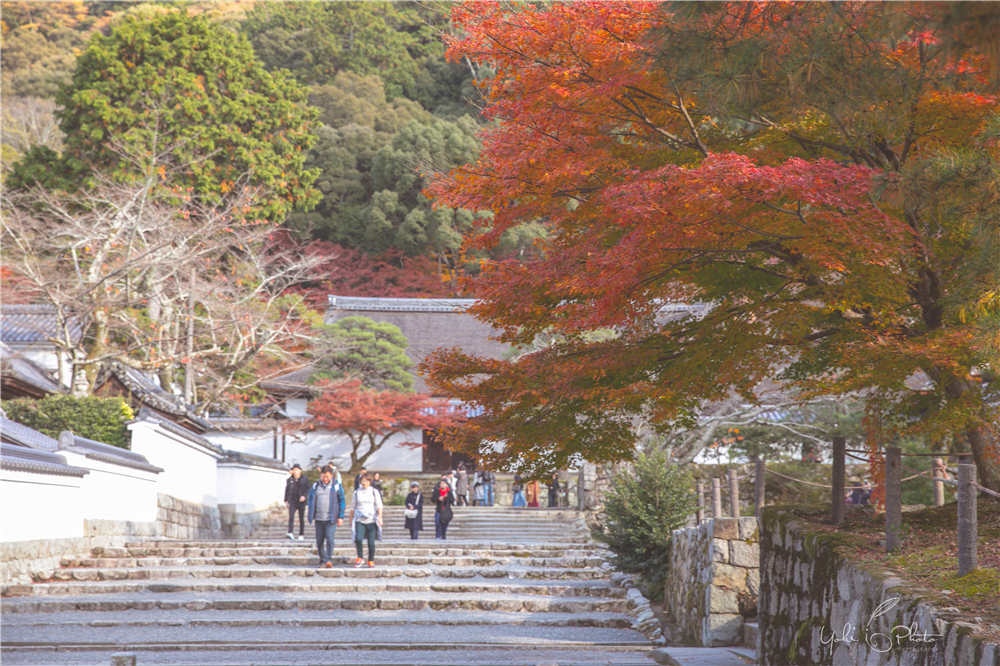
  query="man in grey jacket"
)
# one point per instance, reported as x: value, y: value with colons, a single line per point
x: 326, y: 505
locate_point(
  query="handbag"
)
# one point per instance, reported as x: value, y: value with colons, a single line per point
x: 412, y: 513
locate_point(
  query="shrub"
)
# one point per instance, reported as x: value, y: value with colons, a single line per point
x: 100, y: 419
x: 644, y: 506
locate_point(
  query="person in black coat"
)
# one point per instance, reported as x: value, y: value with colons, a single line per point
x: 444, y: 498
x: 296, y: 489
x: 554, y: 490
x: 415, y: 500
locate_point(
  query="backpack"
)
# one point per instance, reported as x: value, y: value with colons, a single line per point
x: 486, y: 476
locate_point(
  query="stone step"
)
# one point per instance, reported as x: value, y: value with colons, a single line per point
x: 432, y: 544
x: 296, y: 548
x: 275, y: 601
x: 343, y: 585
x: 307, y: 559
x: 112, y: 575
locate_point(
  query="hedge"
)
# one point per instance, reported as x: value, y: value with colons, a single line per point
x: 100, y: 419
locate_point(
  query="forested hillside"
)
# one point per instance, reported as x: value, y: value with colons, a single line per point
x: 390, y: 113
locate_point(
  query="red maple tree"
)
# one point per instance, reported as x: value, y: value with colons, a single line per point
x: 368, y: 416
x: 811, y: 172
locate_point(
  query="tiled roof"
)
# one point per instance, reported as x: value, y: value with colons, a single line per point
x: 238, y: 457
x: 296, y: 381
x: 22, y: 459
x: 14, y: 366
x: 365, y: 304
x: 428, y: 324
x: 143, y: 388
x: 112, y: 455
x: 16, y: 433
x: 256, y: 425
x: 34, y: 324
x: 146, y: 414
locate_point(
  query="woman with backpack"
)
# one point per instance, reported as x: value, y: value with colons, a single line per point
x: 366, y: 519
x: 414, y: 511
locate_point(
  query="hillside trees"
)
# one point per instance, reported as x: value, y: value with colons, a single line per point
x: 813, y: 171
x: 189, y: 95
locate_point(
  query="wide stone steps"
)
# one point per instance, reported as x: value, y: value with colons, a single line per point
x: 131, y: 619
x: 322, y: 600
x: 510, y: 592
x: 297, y: 585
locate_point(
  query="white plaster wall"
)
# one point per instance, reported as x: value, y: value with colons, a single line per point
x: 112, y: 492
x: 303, y: 447
x: 41, y: 506
x: 189, y: 469
x: 249, y: 485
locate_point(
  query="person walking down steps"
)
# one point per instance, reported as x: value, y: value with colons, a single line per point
x: 444, y: 498
x: 366, y: 519
x: 414, y: 511
x: 326, y: 507
x: 296, y: 490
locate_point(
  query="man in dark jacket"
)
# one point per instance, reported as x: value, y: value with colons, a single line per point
x: 326, y: 505
x: 296, y: 489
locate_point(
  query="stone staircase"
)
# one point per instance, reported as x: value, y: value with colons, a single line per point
x: 499, y: 524
x: 509, y: 586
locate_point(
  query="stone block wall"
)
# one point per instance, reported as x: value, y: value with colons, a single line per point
x: 27, y: 561
x: 818, y: 606
x: 714, y: 580
x: 179, y: 519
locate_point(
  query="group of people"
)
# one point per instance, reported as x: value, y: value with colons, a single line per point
x: 451, y: 490
x: 325, y: 504
x: 527, y: 494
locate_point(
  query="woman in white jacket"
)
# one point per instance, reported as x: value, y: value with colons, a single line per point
x: 366, y: 520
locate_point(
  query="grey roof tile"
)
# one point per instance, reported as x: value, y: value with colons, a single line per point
x: 20, y: 323
x: 428, y: 323
x: 22, y: 459
x: 27, y: 371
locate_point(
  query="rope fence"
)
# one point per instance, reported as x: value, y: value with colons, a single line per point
x: 964, y: 484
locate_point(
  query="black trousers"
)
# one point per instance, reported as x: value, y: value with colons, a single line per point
x: 292, y: 508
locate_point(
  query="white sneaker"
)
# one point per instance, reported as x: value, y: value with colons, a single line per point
x: 301, y: 538
x: 291, y: 536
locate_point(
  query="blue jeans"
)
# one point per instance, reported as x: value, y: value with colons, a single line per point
x: 488, y: 493
x: 440, y: 529
x: 325, y: 530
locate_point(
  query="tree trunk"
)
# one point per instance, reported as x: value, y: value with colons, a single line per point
x: 986, y: 453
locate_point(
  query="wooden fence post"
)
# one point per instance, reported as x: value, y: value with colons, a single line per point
x: 893, y: 497
x: 716, y: 499
x: 734, y: 494
x: 967, y: 528
x: 837, y: 501
x: 938, y: 483
x: 699, y: 488
x: 758, y: 487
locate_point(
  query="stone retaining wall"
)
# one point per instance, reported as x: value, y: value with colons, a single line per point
x: 714, y: 580
x: 178, y: 519
x: 817, y: 606
x: 26, y: 561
